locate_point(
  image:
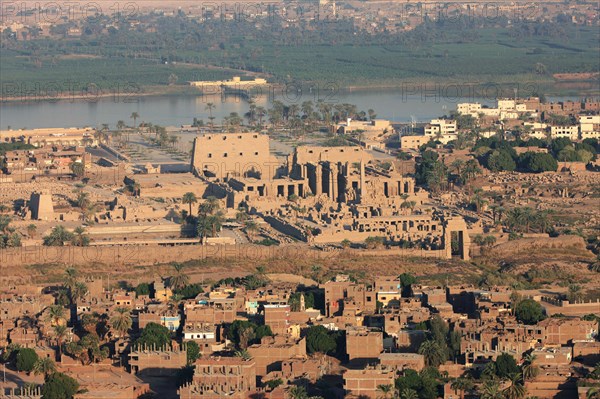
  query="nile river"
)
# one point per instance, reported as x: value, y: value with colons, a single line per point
x: 396, y: 104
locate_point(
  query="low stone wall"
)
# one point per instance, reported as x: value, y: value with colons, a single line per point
x: 526, y: 245
x: 120, y: 156
x: 144, y: 255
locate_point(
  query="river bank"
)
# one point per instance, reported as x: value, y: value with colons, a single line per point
x: 328, y: 91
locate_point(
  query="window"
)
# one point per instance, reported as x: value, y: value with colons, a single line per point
x: 256, y: 153
x: 224, y: 137
x: 225, y: 155
x: 210, y: 155
x: 241, y: 154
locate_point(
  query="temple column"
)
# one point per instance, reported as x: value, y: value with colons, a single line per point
x: 319, y: 180
x: 334, y: 182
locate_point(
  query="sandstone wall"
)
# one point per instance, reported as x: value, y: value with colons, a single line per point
x: 527, y: 245
x: 143, y: 255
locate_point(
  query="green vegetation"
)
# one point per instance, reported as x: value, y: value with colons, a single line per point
x: 88, y: 349
x: 154, y: 335
x: 58, y: 237
x: 272, y: 384
x: 503, y: 367
x: 527, y: 220
x: 529, y: 312
x: 374, y: 242
x: 294, y: 301
x: 441, y: 344
x: 192, y: 351
x: 319, y: 339
x: 59, y: 386
x: 432, y: 172
x: 245, y: 333
x: 45, y: 366
x: 424, y: 385
x: 210, y: 218
x: 121, y: 321
x: 189, y: 291
x: 406, y: 281
x: 130, y: 60
x: 497, y: 154
x: 4, y: 147
x: 142, y: 289
x: 9, y: 238
x: 26, y: 359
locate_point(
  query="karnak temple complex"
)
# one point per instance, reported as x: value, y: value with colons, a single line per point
x: 323, y: 194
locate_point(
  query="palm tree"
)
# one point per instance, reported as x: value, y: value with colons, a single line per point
x: 173, y: 140
x: 204, y: 227
x: 260, y: 113
x: 478, y: 199
x: 31, y: 229
x: 489, y: 371
x: 461, y: 384
x: 79, y: 291
x: 457, y: 165
x: 56, y: 315
x: 60, y: 332
x: 134, y: 116
x: 408, y: 393
x: 515, y: 390
x: 45, y: 366
x: 241, y: 215
x: 189, y: 198
x: 408, y: 205
x: 470, y: 170
x: 251, y: 228
x: 595, y: 374
x: 246, y: 334
x: 83, y: 200
x: 210, y: 206
x: 121, y: 321
x: 216, y: 222
x: 4, y: 223
x: 210, y: 107
x: 491, y: 390
x: 57, y: 237
x: 530, y: 370
x: 179, y: 279
x: 80, y: 239
x: 433, y: 353
x: 593, y: 393
x: 297, y: 392
x: 385, y: 391
x: 70, y: 278
x: 244, y: 354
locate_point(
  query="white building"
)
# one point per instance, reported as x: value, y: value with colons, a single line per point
x: 440, y: 126
x: 506, y: 105
x: 589, y: 126
x: 570, y: 132
x: 468, y: 108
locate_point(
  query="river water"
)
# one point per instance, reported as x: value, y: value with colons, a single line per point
x: 395, y: 104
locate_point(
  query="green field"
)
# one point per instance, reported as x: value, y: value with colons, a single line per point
x: 482, y: 55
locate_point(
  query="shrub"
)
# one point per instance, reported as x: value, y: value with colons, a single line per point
x: 26, y: 359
